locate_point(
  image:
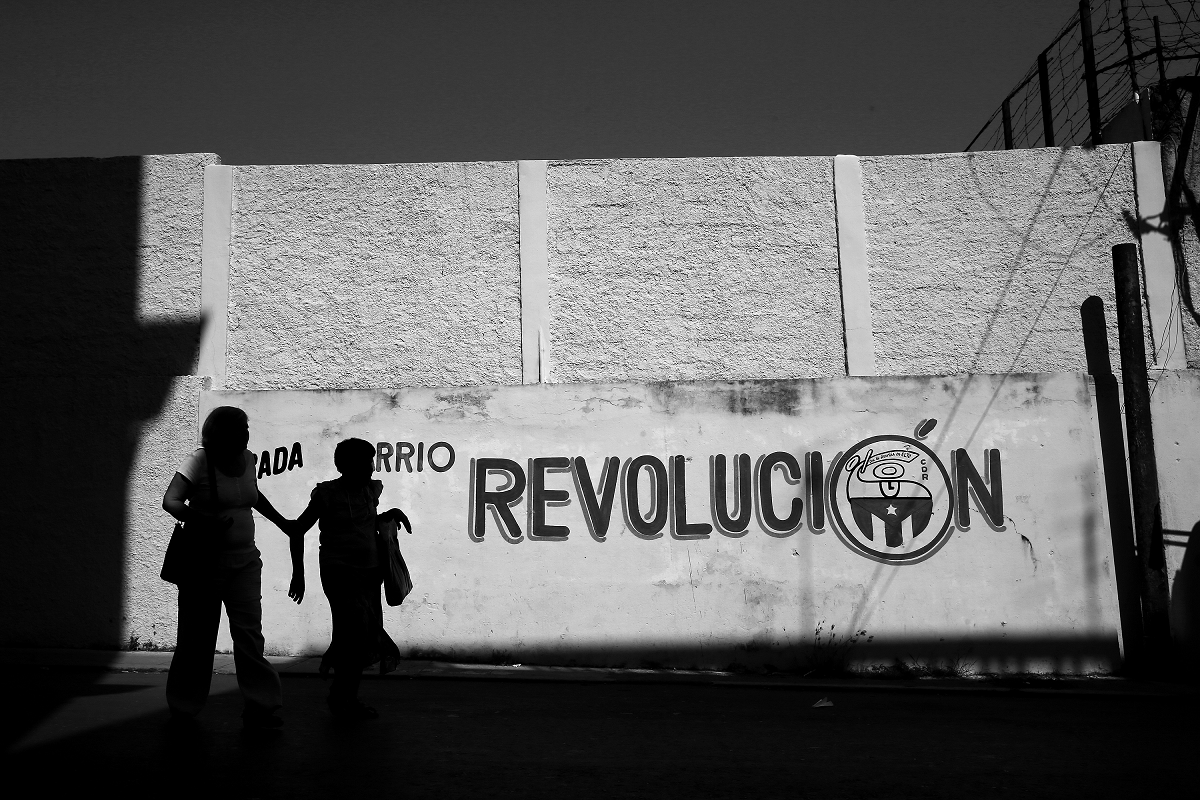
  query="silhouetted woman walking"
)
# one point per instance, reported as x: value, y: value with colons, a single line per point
x: 351, y: 571
x: 231, y: 575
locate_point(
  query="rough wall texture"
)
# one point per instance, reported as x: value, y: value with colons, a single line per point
x: 702, y: 268
x: 979, y: 262
x: 1189, y: 230
x: 170, y: 236
x: 374, y: 275
x: 161, y: 444
x: 102, y: 264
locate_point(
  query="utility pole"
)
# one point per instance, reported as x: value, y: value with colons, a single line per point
x: 1047, y: 111
x: 1143, y: 468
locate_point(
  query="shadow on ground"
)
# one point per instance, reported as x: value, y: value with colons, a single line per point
x: 453, y: 738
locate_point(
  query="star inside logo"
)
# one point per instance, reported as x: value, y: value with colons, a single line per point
x: 891, y: 501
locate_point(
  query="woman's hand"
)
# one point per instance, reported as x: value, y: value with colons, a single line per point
x: 296, y: 590
x: 399, y: 518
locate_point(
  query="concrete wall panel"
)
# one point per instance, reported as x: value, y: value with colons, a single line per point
x: 374, y: 275
x: 979, y: 262
x: 1032, y: 591
x: 1177, y: 446
x: 703, y: 268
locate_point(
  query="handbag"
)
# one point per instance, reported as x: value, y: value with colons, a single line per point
x: 192, y: 550
x: 397, y: 583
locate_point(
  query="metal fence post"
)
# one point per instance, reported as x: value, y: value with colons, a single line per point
x: 1143, y: 470
x: 1006, y: 118
x: 1089, y: 70
x: 1047, y: 111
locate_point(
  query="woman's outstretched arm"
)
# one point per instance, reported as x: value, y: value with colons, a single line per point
x: 263, y: 506
x: 296, y: 589
x: 296, y: 531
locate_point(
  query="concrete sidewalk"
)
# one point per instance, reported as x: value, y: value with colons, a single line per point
x: 160, y: 661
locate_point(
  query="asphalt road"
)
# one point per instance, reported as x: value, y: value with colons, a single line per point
x: 77, y: 731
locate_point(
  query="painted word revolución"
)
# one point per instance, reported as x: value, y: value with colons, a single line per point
x: 890, y: 498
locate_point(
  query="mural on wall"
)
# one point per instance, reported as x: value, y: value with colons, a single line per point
x: 687, y: 517
x: 890, y: 497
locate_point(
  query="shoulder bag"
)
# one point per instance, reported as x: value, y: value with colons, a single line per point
x: 396, y: 581
x: 192, y: 550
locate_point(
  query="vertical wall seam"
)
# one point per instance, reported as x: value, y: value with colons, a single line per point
x: 1158, y: 260
x: 852, y: 266
x: 214, y: 276
x: 535, y: 291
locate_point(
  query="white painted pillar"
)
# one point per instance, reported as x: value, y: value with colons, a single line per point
x: 1158, y: 261
x: 852, y: 262
x: 214, y: 279
x: 535, y: 290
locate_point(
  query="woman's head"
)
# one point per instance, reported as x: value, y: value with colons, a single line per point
x: 354, y: 458
x: 226, y: 431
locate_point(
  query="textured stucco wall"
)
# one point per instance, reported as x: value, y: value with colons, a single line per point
x: 701, y: 268
x: 170, y: 234
x: 374, y: 275
x: 101, y: 311
x: 161, y: 444
x: 979, y: 262
x: 1189, y: 234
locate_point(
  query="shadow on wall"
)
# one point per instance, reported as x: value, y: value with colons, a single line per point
x: 80, y: 375
x: 1116, y: 478
x: 1185, y: 601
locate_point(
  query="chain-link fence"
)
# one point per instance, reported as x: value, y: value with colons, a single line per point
x: 1108, y: 52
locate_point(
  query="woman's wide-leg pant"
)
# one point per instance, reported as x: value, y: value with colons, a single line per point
x: 199, y: 617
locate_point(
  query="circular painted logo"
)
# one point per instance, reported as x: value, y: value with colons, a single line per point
x: 891, y: 501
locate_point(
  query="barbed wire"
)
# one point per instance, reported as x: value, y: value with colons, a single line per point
x: 1175, y: 53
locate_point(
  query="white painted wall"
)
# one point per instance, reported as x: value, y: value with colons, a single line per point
x: 1034, y: 592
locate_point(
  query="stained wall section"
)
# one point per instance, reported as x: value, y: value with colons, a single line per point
x: 374, y: 275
